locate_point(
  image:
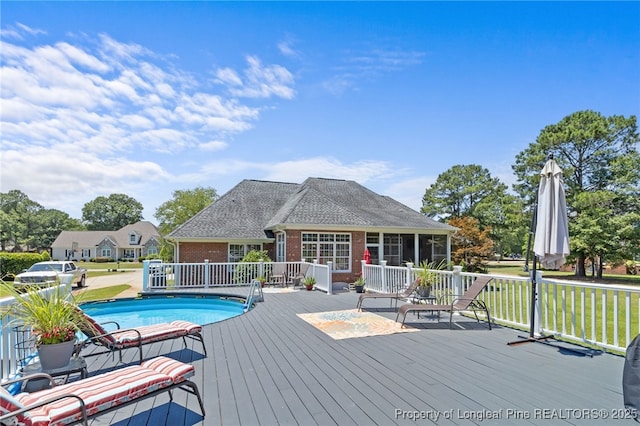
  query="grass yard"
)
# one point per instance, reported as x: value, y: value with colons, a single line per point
x: 106, y: 266
x: 104, y: 293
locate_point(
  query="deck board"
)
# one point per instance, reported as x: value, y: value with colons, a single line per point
x: 270, y: 367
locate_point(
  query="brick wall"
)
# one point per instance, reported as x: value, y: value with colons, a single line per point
x: 198, y: 252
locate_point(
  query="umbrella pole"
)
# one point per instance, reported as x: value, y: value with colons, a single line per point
x: 532, y: 338
x: 534, y: 297
x: 534, y: 282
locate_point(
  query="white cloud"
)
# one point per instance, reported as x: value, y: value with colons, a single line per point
x: 228, y: 76
x: 89, y: 114
x: 286, y: 48
x: 410, y: 191
x: 298, y: 170
x: 258, y: 81
x: 368, y: 65
x: 213, y: 146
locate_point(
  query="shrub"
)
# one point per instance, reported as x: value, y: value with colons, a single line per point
x: 246, y: 273
x: 14, y: 263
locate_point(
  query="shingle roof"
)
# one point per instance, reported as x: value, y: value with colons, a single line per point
x: 252, y: 207
x: 145, y: 229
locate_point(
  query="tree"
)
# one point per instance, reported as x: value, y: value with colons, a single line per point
x: 26, y: 225
x: 600, y: 233
x: 506, y: 218
x: 111, y: 213
x: 459, y: 190
x: 596, y: 153
x: 471, y: 191
x: 49, y: 224
x: 18, y: 220
x: 470, y: 246
x: 184, y: 205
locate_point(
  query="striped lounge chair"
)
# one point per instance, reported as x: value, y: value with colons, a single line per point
x: 120, y: 339
x: 81, y: 400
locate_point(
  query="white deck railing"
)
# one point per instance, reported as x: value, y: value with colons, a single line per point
x: 602, y: 315
x: 207, y: 275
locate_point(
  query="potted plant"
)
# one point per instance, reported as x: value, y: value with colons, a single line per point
x: 309, y: 282
x: 359, y: 284
x: 426, y: 277
x: 262, y: 280
x: 53, y: 317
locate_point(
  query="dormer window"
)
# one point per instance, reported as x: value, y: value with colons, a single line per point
x: 133, y: 238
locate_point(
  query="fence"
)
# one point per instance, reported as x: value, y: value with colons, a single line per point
x: 596, y: 314
x: 181, y: 276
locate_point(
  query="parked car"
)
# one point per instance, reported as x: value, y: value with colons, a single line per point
x: 47, y: 273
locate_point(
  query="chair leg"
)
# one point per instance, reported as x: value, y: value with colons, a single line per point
x: 193, y: 389
x: 198, y: 336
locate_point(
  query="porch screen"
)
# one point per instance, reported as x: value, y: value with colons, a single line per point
x: 328, y: 247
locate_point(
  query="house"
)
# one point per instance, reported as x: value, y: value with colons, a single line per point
x: 324, y: 219
x: 127, y: 243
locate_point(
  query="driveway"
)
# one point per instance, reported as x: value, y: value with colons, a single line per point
x: 132, y: 278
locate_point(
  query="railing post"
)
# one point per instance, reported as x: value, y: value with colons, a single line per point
x: 456, y: 282
x: 329, y: 278
x: 206, y: 273
x: 537, y: 329
x: 145, y: 275
x: 383, y: 278
x: 407, y: 278
x: 363, y: 269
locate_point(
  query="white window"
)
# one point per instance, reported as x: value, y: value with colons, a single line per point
x: 129, y: 254
x: 152, y: 250
x: 238, y: 251
x: 133, y: 238
x: 105, y: 251
x: 280, y: 247
x: 86, y: 253
x: 328, y: 247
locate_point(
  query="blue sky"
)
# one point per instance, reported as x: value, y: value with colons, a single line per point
x: 145, y: 98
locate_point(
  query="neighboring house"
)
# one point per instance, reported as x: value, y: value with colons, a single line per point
x: 325, y: 219
x: 128, y: 243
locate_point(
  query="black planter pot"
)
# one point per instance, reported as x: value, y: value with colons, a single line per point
x: 423, y: 291
x: 359, y: 288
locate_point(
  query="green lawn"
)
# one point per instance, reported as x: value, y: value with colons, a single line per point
x: 516, y: 268
x: 109, y: 265
x: 104, y: 293
x: 559, y: 307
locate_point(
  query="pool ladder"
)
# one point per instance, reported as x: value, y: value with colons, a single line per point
x: 252, y: 297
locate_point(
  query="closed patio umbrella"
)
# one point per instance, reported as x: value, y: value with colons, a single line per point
x: 551, y: 244
x: 551, y: 238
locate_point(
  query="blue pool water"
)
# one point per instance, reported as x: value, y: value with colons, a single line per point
x: 130, y: 313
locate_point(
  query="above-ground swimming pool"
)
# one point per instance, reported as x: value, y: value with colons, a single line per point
x: 147, y: 310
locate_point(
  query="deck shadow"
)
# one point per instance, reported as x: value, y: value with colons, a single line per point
x: 169, y: 413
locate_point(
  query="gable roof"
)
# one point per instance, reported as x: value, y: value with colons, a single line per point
x: 146, y: 230
x: 252, y: 208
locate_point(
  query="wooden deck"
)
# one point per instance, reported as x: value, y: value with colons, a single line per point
x: 269, y: 367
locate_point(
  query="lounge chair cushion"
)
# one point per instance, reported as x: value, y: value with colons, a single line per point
x: 104, y: 391
x: 148, y: 334
x: 189, y: 326
x: 8, y: 404
x: 178, y: 371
